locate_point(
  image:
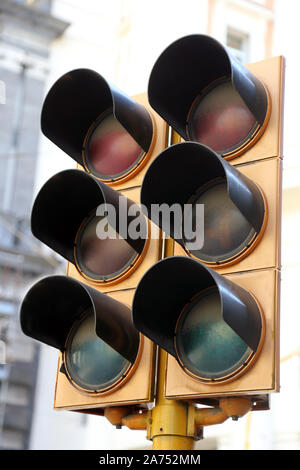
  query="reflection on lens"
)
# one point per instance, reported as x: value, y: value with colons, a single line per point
x: 102, y: 258
x: 111, y: 151
x: 221, y: 120
x: 206, y: 345
x: 226, y: 231
x: 91, y: 363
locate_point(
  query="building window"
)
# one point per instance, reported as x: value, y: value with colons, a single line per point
x: 238, y: 44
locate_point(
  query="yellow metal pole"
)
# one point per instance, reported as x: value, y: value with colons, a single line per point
x: 169, y: 426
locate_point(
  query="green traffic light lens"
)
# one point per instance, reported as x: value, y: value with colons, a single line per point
x: 207, y: 347
x: 227, y: 232
x: 91, y: 363
x: 220, y: 119
x: 102, y: 258
x: 110, y: 151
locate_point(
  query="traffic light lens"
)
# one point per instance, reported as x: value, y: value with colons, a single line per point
x: 207, y: 347
x: 91, y: 363
x: 102, y: 258
x: 110, y: 150
x: 220, y: 119
x: 226, y: 231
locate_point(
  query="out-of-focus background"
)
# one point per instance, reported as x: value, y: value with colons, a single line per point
x: 39, y: 41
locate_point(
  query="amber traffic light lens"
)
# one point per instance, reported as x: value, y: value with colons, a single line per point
x: 207, y: 347
x: 102, y: 258
x: 227, y: 232
x: 220, y: 119
x: 91, y: 363
x: 110, y: 150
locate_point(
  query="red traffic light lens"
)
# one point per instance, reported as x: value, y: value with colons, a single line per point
x: 110, y: 151
x: 220, y: 119
x: 90, y: 362
x: 102, y: 258
x: 227, y: 232
x: 207, y: 347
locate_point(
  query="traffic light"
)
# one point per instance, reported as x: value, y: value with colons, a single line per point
x: 74, y: 212
x: 207, y: 96
x: 241, y: 206
x: 213, y: 303
x: 212, y: 326
x: 217, y: 310
x: 79, y: 321
x: 109, y: 134
x: 90, y: 216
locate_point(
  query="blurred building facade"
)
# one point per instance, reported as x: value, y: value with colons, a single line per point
x: 25, y: 38
x: 121, y: 40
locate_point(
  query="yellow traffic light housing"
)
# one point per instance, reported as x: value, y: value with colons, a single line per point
x: 242, y: 211
x: 81, y: 218
x: 100, y: 349
x: 260, y: 375
x: 136, y: 387
x: 91, y: 217
x: 221, y: 332
x: 100, y: 127
x: 79, y: 320
x: 212, y: 309
x: 109, y: 134
x: 193, y: 85
x: 242, y: 206
x: 218, y: 102
x: 196, y: 84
